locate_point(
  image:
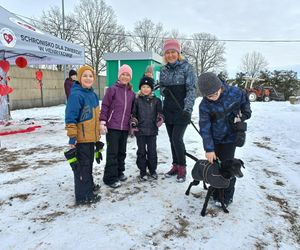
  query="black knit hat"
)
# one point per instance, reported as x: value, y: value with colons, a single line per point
x: 209, y: 83
x: 72, y: 72
x: 147, y: 81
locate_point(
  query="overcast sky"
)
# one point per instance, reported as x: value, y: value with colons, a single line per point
x: 230, y: 19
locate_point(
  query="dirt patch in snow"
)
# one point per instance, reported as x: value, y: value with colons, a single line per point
x: 14, y: 181
x: 264, y: 145
x: 22, y: 197
x: 49, y: 217
x: 270, y: 173
x: 288, y: 214
x: 12, y: 161
x: 169, y: 230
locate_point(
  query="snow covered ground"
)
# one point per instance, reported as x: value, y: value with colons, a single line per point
x: 37, y: 199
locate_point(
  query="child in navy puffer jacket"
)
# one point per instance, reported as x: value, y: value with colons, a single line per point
x: 222, y: 105
x: 114, y: 122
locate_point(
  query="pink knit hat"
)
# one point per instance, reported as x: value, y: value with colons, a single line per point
x: 125, y: 69
x: 172, y: 44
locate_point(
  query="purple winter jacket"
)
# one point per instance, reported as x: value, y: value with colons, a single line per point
x: 117, y: 105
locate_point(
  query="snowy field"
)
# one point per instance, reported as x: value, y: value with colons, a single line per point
x: 37, y: 198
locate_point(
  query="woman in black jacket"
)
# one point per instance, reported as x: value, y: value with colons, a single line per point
x: 178, y: 86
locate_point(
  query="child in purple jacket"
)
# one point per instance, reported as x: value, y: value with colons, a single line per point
x: 114, y: 122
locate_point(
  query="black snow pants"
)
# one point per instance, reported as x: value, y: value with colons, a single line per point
x: 146, y: 153
x: 176, y: 133
x: 83, y: 175
x: 116, y: 141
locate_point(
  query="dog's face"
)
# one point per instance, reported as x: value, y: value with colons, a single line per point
x: 234, y: 167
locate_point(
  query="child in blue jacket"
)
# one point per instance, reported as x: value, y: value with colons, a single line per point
x: 83, y: 129
x: 222, y: 105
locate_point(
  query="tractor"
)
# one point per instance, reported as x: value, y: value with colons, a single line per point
x: 262, y: 92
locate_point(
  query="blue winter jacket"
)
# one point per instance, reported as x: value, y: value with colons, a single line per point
x: 82, y: 115
x: 216, y: 117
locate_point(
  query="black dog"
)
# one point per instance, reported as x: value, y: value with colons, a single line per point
x: 218, y: 175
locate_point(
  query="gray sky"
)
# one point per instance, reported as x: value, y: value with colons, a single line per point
x: 230, y: 19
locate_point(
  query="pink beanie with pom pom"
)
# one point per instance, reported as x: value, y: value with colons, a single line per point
x: 125, y: 69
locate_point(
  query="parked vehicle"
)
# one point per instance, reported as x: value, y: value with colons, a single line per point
x: 261, y: 92
x: 264, y: 93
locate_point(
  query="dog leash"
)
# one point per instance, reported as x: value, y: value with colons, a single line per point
x: 219, y: 162
x: 179, y: 106
x: 191, y: 156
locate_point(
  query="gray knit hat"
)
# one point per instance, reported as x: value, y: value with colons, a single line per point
x: 209, y: 83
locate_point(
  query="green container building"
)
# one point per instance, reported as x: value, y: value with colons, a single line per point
x: 138, y: 61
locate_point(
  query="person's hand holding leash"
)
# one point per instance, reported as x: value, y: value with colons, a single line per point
x: 211, y: 156
x: 186, y: 115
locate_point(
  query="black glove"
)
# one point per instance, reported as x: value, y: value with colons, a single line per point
x: 240, y: 128
x: 98, y: 155
x: 72, y: 159
x: 186, y: 115
x: 240, y: 139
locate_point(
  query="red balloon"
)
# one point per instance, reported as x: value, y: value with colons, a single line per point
x: 21, y: 62
x: 39, y: 75
x: 5, y: 90
x: 5, y: 65
x: 10, y: 90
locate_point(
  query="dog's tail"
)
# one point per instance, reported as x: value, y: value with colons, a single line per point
x: 191, y: 156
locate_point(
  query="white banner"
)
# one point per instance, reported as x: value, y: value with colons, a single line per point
x: 18, y: 38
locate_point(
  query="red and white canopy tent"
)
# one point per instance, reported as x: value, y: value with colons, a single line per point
x: 22, y: 44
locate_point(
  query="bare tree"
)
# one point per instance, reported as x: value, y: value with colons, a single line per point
x: 253, y: 63
x: 100, y: 32
x: 52, y: 22
x: 148, y: 36
x: 205, y: 52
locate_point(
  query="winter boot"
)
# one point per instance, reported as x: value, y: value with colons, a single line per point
x: 116, y: 184
x: 122, y: 177
x: 153, y: 175
x: 181, y: 174
x: 96, y: 188
x: 89, y: 200
x: 142, y: 178
x: 173, y: 171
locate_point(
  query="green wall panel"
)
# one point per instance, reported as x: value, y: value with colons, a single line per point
x: 138, y: 70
